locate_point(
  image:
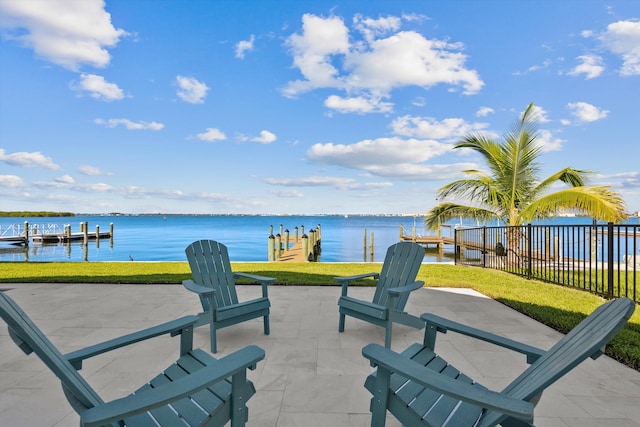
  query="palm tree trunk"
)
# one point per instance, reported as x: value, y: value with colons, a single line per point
x: 514, y: 236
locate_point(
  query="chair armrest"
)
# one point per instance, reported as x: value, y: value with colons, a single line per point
x: 263, y: 280
x: 404, y: 289
x: 175, y: 327
x: 198, y: 289
x: 443, y: 325
x: 342, y: 279
x: 225, y: 367
x: 477, y: 395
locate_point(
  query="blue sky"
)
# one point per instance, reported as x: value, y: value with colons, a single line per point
x: 303, y: 107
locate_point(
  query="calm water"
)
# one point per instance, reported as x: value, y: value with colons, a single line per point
x: 163, y: 238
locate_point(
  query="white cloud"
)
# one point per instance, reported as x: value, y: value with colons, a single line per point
x: 111, y: 123
x: 548, y: 142
x: 244, y: 46
x: 409, y: 59
x: 69, y: 33
x: 11, y: 181
x: 312, y: 49
x: 540, y: 114
x: 212, y: 134
x: 359, y: 104
x: 623, y: 38
x: 323, y: 181
x: 368, y: 154
x: 99, y: 187
x: 25, y: 159
x: 265, y: 137
x: 65, y: 179
x: 91, y: 170
x: 536, y: 67
x: 430, y: 128
x: 484, y: 111
x: 288, y: 193
x: 98, y: 88
x: 373, y: 28
x: 585, y: 112
x: 374, y: 66
x: 191, y: 90
x: 630, y: 180
x: 422, y: 172
x: 591, y: 67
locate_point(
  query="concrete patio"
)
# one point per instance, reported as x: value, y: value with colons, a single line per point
x: 311, y: 376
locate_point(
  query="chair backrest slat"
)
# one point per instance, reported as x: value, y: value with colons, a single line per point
x: 583, y: 341
x: 30, y: 337
x: 401, y: 265
x: 210, y: 267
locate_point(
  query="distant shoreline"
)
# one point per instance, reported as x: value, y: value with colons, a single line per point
x: 66, y: 214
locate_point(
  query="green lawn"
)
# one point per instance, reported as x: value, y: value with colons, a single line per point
x: 560, y: 308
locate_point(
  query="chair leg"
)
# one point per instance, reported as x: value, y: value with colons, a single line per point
x: 341, y: 323
x: 267, y: 331
x: 214, y: 342
x: 387, y: 335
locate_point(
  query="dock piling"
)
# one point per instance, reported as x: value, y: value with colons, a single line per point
x: 302, y: 248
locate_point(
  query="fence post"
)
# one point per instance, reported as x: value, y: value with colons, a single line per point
x: 484, y: 246
x: 610, y: 259
x: 529, y: 251
x: 455, y: 246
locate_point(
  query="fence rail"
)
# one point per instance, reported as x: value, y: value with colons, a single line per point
x: 600, y: 258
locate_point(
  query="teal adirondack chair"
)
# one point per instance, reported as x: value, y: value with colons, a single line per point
x: 421, y: 389
x: 214, y: 282
x: 197, y: 390
x: 395, y: 282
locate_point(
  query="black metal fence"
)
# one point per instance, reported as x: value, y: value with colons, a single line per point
x: 600, y: 258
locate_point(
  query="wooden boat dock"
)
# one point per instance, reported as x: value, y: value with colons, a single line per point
x: 21, y: 235
x: 14, y: 240
x: 70, y: 237
x: 438, y: 240
x: 304, y: 248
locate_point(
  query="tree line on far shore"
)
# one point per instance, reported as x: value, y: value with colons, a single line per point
x: 34, y: 213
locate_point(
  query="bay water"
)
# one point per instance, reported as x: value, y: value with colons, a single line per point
x: 164, y: 237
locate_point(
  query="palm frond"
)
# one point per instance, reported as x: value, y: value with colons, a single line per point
x: 600, y: 203
x: 490, y: 150
x: 447, y: 211
x: 572, y: 177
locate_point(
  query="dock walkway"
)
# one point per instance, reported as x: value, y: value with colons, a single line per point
x: 69, y: 237
x: 298, y: 248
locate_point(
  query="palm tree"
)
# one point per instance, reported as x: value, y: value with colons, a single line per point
x: 511, y: 190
